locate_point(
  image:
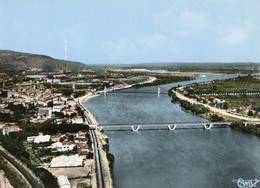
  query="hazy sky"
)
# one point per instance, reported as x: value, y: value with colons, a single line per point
x: 134, y: 31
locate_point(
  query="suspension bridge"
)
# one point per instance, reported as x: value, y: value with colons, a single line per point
x: 160, y: 91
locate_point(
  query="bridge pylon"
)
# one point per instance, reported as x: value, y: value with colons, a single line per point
x: 207, y: 127
x: 105, y: 91
x: 172, y: 128
x: 159, y: 91
x: 135, y: 129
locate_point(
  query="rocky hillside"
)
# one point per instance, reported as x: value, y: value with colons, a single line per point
x: 15, y: 62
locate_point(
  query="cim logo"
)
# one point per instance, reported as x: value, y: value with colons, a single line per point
x: 246, y: 183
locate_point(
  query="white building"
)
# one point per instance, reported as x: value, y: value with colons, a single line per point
x: 62, y: 148
x: 64, y: 99
x: 10, y: 128
x: 63, y: 182
x: 41, y: 103
x: 67, y: 161
x: 78, y: 120
x: 44, y: 112
x: 39, y: 139
x: 57, y: 108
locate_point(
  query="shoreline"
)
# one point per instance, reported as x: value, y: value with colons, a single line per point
x: 213, y: 109
x: 108, y: 180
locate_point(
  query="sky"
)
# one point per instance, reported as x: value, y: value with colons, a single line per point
x: 133, y: 31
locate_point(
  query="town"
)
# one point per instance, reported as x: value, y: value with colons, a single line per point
x: 42, y: 117
x: 43, y: 126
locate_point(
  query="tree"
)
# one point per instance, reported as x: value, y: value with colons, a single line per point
x: 250, y: 113
x: 225, y: 105
x: 50, y: 104
x: 67, y: 91
x: 71, y: 137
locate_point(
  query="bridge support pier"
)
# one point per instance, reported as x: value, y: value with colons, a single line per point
x: 172, y: 128
x: 245, y: 124
x: 207, y: 127
x: 135, y: 129
x: 105, y: 92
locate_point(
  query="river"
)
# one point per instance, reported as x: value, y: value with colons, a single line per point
x: 180, y: 158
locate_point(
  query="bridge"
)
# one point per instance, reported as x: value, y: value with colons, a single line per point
x: 147, y: 91
x: 169, y: 126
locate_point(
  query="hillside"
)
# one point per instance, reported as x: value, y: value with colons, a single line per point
x: 15, y: 62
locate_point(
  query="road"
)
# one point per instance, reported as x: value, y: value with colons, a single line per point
x: 27, y: 174
x: 91, y: 120
x: 97, y: 161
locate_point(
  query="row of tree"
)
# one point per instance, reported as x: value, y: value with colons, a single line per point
x: 195, y: 108
x: 250, y: 128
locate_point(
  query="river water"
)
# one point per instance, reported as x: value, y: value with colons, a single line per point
x: 180, y: 158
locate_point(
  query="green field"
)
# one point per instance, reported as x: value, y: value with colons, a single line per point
x: 243, y: 84
x: 239, y: 85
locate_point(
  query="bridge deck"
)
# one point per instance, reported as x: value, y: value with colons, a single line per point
x: 171, y: 124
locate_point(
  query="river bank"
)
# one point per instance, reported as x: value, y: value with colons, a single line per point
x: 107, y: 177
x: 142, y: 158
x: 213, y: 109
x: 102, y: 137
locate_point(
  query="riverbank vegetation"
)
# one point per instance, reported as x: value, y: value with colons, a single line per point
x: 250, y: 128
x: 110, y: 156
x: 199, y: 109
x: 195, y: 108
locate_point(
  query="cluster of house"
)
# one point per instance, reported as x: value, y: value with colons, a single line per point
x: 65, y: 106
x: 26, y: 94
x: 9, y: 127
x: 79, y: 144
x: 215, y: 100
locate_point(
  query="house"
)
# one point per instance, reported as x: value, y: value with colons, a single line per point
x: 63, y: 146
x: 44, y: 113
x: 83, y: 148
x: 68, y: 111
x: 233, y: 111
x: 30, y: 139
x: 41, y: 103
x: 63, y: 182
x: 81, y: 135
x: 60, y: 121
x: 245, y: 108
x: 39, y: 139
x: 57, y: 108
x: 5, y: 110
x: 77, y: 120
x: 71, y: 103
x: 67, y: 161
x: 10, y: 128
x: 64, y: 99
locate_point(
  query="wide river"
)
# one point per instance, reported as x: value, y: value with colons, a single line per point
x: 179, y: 158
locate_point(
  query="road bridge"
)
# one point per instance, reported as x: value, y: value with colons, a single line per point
x: 170, y: 126
x: 123, y: 91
